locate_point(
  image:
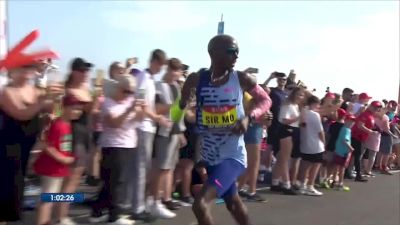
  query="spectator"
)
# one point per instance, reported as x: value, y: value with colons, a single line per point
x: 343, y: 151
x: 146, y: 131
x: 312, y: 146
x: 77, y: 86
x: 363, y: 128
x: 167, y: 140
x: 53, y: 163
x: 289, y: 141
x: 118, y: 142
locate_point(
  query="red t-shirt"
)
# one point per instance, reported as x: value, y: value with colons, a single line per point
x: 59, y: 136
x: 367, y: 118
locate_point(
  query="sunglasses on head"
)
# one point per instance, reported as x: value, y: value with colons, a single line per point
x: 232, y: 51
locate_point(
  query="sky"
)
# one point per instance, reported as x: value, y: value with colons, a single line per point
x: 332, y: 44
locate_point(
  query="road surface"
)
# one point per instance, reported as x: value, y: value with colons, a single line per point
x: 373, y: 203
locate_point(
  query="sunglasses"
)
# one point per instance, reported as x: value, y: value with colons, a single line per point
x: 128, y: 92
x: 232, y: 51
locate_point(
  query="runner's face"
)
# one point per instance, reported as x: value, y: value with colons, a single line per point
x: 227, y: 54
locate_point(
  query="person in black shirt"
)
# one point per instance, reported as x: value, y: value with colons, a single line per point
x: 278, y: 96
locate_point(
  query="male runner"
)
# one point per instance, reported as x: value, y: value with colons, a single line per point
x: 222, y: 122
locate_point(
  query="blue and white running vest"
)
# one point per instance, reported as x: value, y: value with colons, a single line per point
x: 218, y: 110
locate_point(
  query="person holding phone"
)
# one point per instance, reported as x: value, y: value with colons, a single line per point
x: 118, y: 141
x: 146, y: 132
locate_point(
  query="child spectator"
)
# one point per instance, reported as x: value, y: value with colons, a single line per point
x: 333, y: 134
x: 53, y: 163
x: 343, y: 151
x: 312, y: 146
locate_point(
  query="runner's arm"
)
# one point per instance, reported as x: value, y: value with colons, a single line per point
x: 262, y: 101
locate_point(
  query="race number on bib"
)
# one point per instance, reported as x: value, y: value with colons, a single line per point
x: 219, y: 116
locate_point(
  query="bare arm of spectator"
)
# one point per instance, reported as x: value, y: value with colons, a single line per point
x: 16, y: 108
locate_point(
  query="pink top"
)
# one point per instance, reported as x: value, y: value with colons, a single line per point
x: 383, y: 123
x: 373, y: 142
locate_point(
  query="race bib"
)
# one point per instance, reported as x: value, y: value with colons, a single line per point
x: 214, y: 116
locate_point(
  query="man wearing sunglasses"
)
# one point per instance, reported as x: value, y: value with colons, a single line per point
x: 222, y: 122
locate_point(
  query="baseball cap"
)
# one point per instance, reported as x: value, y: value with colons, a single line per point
x: 341, y: 113
x: 364, y: 96
x: 350, y: 117
x: 135, y: 72
x: 80, y: 64
x: 376, y: 104
x: 330, y: 95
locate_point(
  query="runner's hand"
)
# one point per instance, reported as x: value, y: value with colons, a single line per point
x: 241, y: 126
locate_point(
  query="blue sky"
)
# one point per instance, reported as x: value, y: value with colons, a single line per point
x: 328, y: 43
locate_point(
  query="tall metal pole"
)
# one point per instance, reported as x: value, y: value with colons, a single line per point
x: 221, y: 26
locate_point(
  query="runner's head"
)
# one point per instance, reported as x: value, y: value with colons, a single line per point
x: 116, y: 69
x: 158, y: 59
x: 223, y: 51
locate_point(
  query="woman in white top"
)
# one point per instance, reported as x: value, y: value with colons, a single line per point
x: 119, y: 113
x: 289, y: 142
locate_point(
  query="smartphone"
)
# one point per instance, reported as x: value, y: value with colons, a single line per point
x: 252, y: 70
x: 140, y: 94
x: 280, y: 75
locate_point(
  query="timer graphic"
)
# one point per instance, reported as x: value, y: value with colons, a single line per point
x: 62, y: 197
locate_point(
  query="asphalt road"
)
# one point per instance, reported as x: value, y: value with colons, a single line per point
x: 374, y: 203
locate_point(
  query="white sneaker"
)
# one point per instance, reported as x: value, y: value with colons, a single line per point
x: 100, y: 219
x: 122, y: 221
x: 149, y: 203
x: 159, y: 210
x: 66, y: 221
x: 312, y: 192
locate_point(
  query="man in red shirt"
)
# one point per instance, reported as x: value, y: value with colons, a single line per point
x: 364, y: 126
